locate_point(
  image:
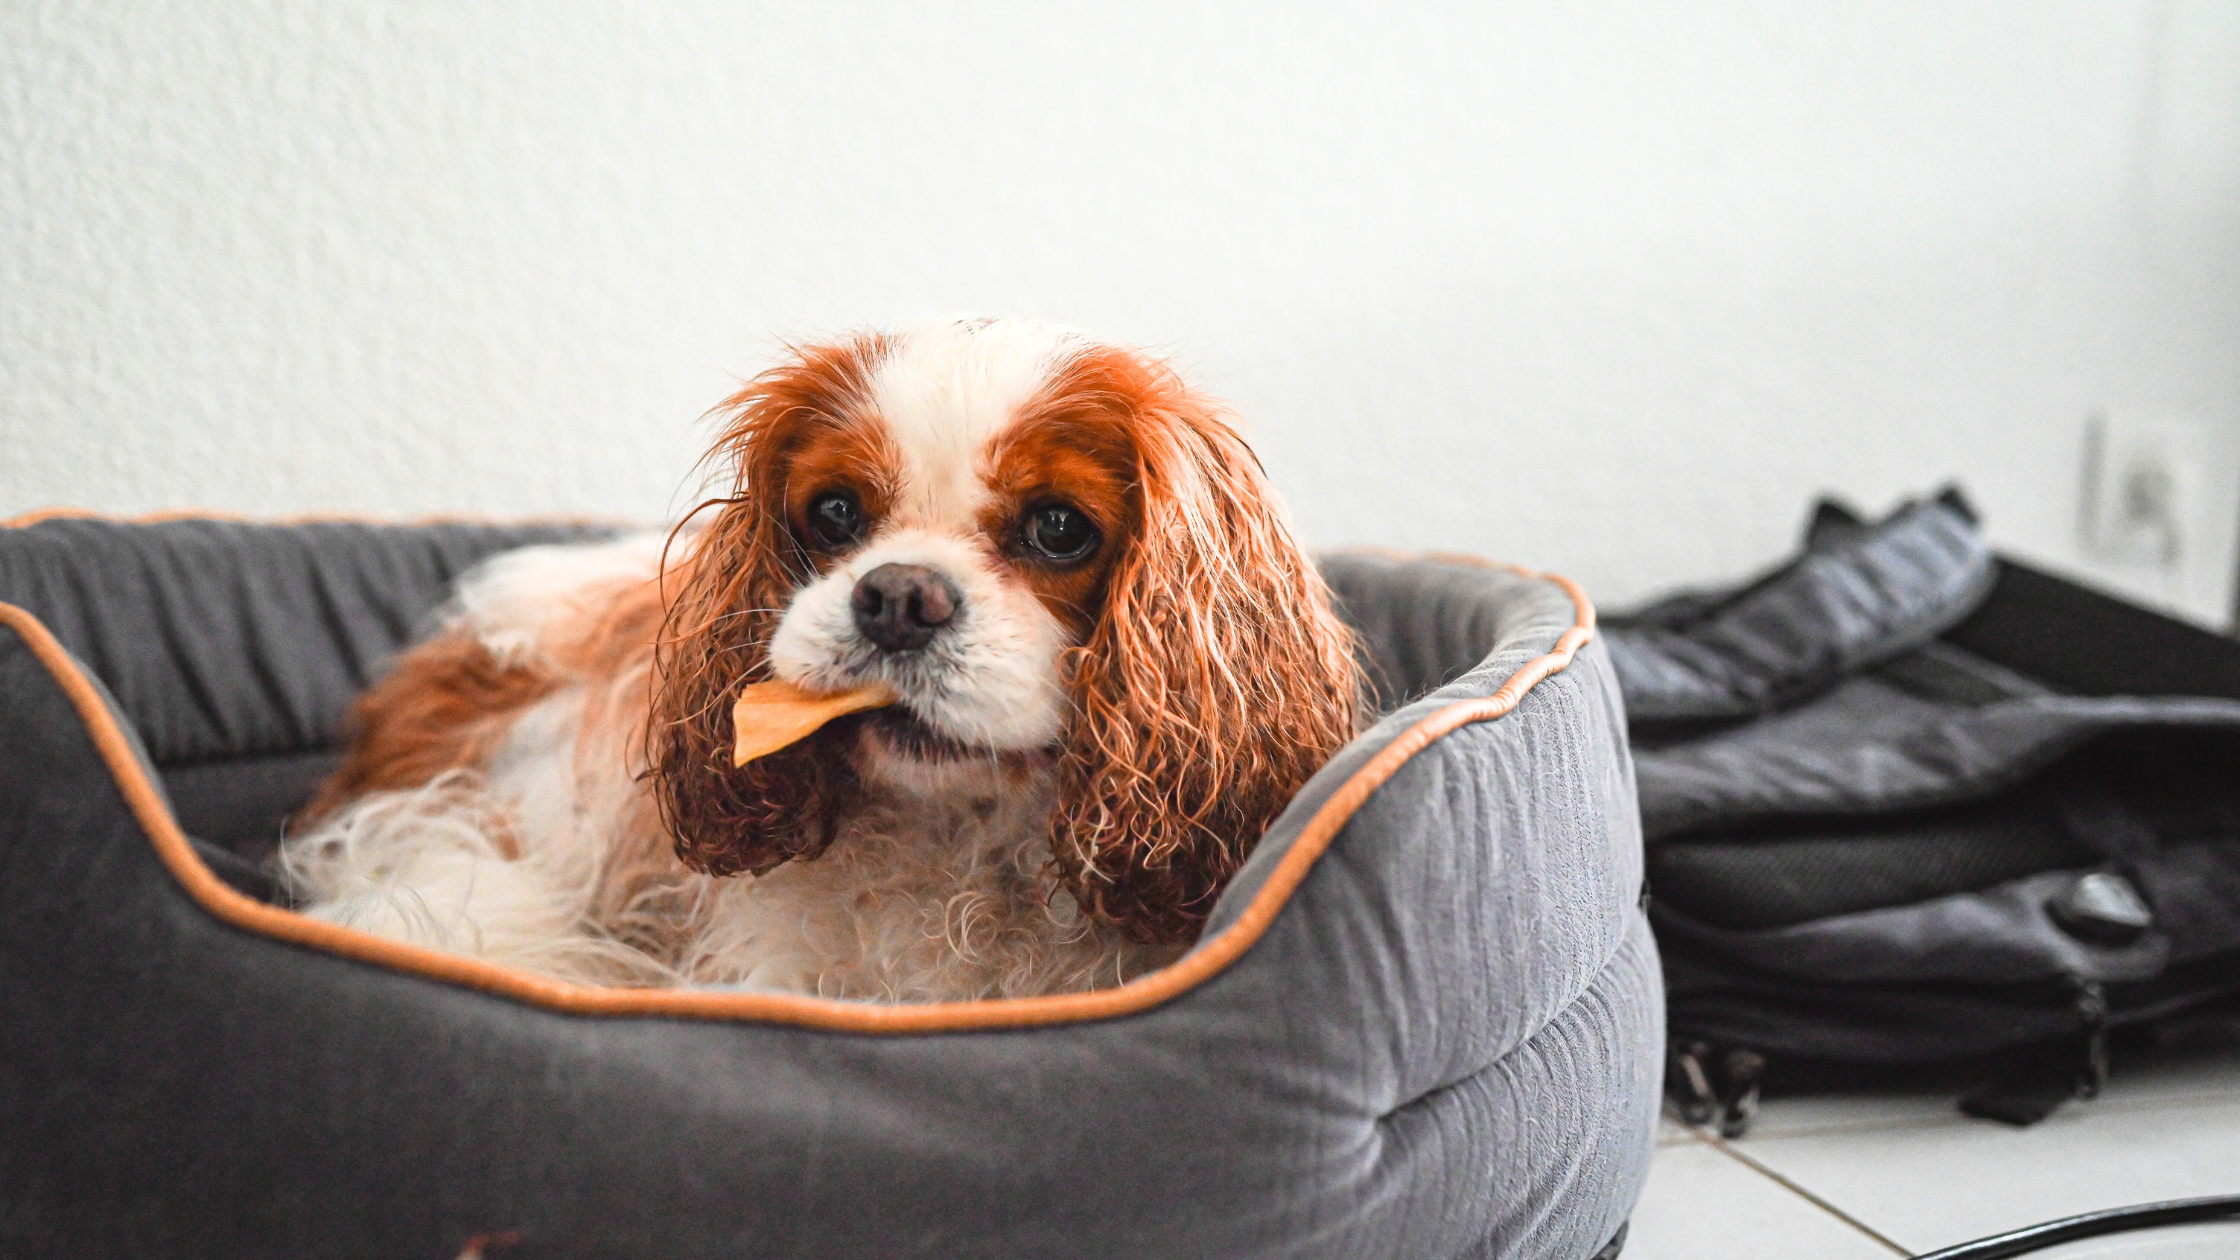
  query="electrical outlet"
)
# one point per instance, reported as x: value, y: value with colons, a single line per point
x: 2158, y: 512
x: 2140, y: 472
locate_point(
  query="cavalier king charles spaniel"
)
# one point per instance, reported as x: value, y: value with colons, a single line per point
x: 1080, y: 664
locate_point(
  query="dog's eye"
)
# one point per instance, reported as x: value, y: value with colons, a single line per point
x: 1060, y: 531
x: 835, y: 518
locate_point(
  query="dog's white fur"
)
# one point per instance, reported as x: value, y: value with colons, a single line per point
x: 935, y: 887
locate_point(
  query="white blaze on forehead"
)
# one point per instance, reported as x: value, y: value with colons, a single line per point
x: 945, y: 390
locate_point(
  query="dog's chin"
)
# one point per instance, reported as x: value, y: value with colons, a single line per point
x: 898, y: 750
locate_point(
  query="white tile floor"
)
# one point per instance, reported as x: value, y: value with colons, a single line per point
x: 1876, y: 1176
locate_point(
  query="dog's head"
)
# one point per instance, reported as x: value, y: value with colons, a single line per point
x: 1059, y: 556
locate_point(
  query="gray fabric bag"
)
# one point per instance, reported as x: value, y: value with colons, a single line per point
x: 1909, y: 805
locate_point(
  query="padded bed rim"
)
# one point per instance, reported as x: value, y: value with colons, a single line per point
x: 1211, y: 957
x: 24, y: 520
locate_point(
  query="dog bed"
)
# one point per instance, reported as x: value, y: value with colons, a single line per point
x: 1425, y: 1019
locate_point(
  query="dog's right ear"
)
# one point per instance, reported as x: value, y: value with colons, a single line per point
x: 725, y: 589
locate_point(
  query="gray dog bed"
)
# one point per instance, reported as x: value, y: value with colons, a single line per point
x: 1424, y: 1021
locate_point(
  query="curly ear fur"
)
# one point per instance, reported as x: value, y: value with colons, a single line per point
x: 724, y: 601
x: 1215, y: 683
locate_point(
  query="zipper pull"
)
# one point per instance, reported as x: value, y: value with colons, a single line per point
x: 2092, y: 1012
x: 1688, y: 1084
x: 1743, y: 1073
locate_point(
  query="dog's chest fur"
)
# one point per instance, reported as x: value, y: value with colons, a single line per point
x: 917, y: 900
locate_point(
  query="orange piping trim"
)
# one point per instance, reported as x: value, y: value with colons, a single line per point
x: 1209, y: 959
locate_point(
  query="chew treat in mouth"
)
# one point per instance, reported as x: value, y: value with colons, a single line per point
x: 772, y: 715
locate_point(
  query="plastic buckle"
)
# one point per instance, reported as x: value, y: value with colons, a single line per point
x: 2101, y: 908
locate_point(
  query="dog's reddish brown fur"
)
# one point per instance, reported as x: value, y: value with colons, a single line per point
x: 443, y: 708
x: 1210, y: 681
x: 1216, y: 680
x: 723, y: 606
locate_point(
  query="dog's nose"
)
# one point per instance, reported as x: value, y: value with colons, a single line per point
x: 899, y: 606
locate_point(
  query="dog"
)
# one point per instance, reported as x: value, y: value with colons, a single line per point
x: 1108, y: 665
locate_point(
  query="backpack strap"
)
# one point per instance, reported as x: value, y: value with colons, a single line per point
x: 1854, y: 599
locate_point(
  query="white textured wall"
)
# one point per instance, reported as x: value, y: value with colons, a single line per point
x: 1611, y: 289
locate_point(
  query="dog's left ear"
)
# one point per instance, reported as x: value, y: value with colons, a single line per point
x: 1215, y: 683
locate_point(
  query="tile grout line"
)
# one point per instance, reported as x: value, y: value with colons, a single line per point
x: 1727, y: 1149
x: 1845, y: 1128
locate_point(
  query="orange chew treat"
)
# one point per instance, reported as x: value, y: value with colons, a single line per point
x: 771, y: 715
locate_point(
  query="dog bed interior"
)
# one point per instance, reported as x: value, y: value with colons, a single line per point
x: 1425, y: 1020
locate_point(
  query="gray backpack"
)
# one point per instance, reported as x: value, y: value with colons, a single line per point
x: 1913, y: 808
